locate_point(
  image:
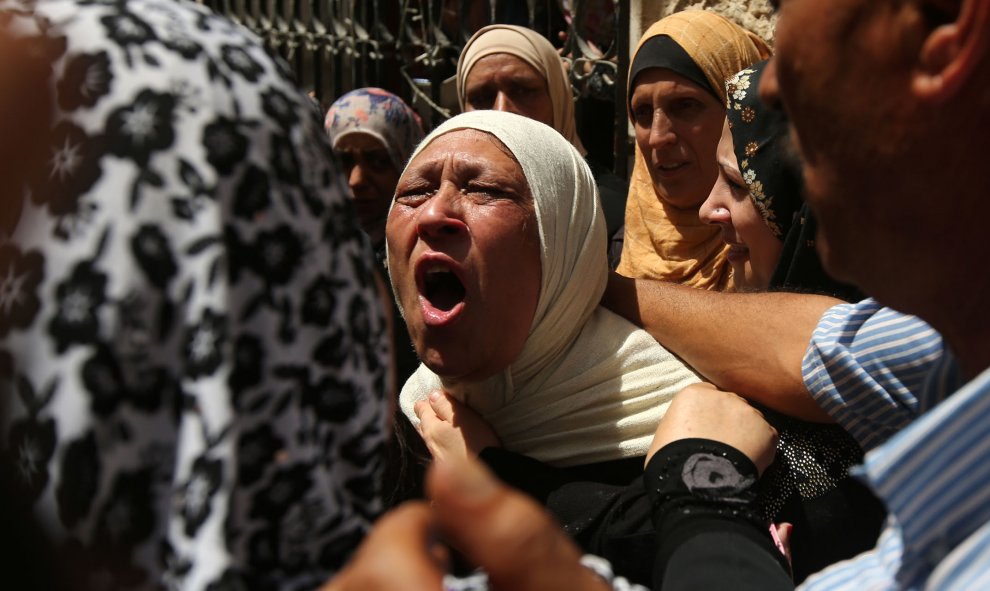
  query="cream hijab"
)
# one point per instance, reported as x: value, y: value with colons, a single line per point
x: 663, y: 242
x: 535, y: 50
x: 588, y: 386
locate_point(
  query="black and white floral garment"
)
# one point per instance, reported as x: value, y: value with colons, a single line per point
x: 193, y: 360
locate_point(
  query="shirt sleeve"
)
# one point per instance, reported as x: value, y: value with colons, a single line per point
x: 875, y: 569
x: 868, y: 366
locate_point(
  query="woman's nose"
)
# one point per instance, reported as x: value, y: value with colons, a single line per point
x: 357, y: 177
x: 504, y: 103
x: 662, y: 130
x: 713, y: 210
x: 440, y: 217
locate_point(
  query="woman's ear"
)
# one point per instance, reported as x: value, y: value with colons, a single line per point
x: 952, y: 51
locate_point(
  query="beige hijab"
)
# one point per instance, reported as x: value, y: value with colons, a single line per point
x: 588, y: 386
x: 535, y: 50
x: 663, y: 242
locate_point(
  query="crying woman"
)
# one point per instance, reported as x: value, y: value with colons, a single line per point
x: 496, y: 254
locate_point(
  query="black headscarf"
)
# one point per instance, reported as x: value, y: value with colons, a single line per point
x: 772, y: 172
x: 763, y: 149
x: 663, y: 52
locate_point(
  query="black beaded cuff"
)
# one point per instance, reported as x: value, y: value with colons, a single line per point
x: 705, y: 477
x: 700, y: 485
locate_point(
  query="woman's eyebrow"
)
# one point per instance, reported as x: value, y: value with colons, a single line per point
x: 471, y: 165
x: 425, y: 166
x: 478, y: 169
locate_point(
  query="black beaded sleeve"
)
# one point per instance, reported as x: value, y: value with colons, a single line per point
x: 710, y: 526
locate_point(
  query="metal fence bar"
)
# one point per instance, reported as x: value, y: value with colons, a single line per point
x: 411, y: 46
x: 621, y: 146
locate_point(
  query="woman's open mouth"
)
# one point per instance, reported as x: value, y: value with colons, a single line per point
x: 441, y: 291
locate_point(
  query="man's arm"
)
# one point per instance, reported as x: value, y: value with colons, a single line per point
x: 747, y: 343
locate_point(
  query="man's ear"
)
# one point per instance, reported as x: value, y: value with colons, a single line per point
x: 952, y: 51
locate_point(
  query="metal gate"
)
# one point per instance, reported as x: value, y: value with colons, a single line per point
x: 410, y: 47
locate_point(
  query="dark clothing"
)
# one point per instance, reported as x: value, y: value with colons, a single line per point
x: 834, y: 515
x: 605, y: 509
x: 406, y: 456
x: 615, y: 248
x: 662, y: 51
x: 705, y: 505
x: 612, y: 193
x: 602, y: 506
x: 800, y: 268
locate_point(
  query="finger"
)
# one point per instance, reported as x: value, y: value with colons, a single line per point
x: 784, y: 533
x: 508, y: 535
x: 442, y: 405
x: 399, y: 553
x: 431, y: 430
x: 427, y: 417
x: 420, y: 408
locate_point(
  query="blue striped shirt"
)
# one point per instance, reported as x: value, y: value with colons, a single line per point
x: 874, y: 370
x: 886, y: 377
x: 934, y: 476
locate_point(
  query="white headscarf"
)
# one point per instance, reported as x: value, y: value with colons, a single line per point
x: 588, y: 386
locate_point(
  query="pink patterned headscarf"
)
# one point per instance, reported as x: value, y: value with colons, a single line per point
x: 380, y: 114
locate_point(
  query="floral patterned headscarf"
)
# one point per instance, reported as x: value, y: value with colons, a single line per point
x: 762, y: 147
x: 380, y: 114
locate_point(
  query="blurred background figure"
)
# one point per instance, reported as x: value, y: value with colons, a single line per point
x: 193, y: 356
x: 515, y: 69
x: 373, y: 132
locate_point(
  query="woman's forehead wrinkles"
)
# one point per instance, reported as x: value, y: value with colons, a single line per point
x: 462, y: 155
x: 424, y: 165
x: 470, y: 165
x: 460, y: 160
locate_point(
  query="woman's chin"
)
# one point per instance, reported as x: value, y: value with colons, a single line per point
x: 447, y: 364
x: 453, y: 367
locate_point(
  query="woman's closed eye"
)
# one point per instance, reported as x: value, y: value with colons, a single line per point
x: 737, y: 185
x: 733, y: 178
x: 346, y: 159
x: 489, y: 192
x: 527, y: 89
x: 414, y: 196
